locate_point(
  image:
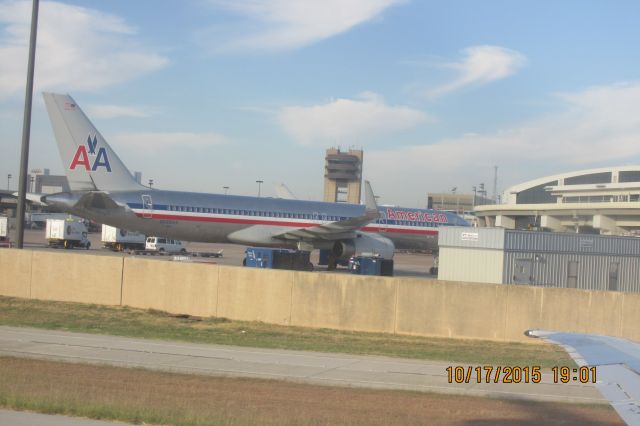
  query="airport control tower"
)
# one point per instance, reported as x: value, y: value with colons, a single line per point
x: 343, y: 176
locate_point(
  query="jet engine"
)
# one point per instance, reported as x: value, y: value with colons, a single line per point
x: 364, y: 243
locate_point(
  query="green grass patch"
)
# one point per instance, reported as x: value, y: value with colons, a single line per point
x: 150, y: 324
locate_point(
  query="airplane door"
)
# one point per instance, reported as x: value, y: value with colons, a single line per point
x: 383, y: 222
x: 147, y: 206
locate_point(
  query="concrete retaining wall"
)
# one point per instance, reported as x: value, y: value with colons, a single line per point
x: 343, y: 302
x: 250, y: 294
x: 170, y: 286
x: 76, y: 278
x: 15, y: 273
x: 339, y: 301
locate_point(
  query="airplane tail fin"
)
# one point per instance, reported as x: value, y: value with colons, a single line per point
x: 89, y: 162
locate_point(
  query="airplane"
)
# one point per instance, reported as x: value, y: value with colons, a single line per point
x: 612, y: 363
x: 104, y: 190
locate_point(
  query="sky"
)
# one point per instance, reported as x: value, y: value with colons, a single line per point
x: 202, y: 94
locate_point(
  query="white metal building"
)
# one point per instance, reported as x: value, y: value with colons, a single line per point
x: 549, y: 259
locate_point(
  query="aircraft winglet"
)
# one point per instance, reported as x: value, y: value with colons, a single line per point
x: 370, y: 201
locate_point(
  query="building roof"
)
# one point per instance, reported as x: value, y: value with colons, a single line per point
x: 509, y: 194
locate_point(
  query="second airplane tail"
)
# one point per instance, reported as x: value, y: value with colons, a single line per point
x: 89, y: 162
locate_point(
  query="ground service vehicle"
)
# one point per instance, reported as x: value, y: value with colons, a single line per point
x: 118, y: 239
x: 164, y: 245
x: 67, y: 233
x: 4, y: 230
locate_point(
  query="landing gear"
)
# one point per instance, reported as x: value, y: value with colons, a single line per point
x: 332, y: 262
x: 436, y: 261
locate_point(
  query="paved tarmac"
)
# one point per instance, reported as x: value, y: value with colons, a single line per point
x: 298, y: 366
x: 405, y: 264
x: 26, y: 418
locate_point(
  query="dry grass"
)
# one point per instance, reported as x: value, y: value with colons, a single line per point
x: 135, y: 395
x: 131, y: 322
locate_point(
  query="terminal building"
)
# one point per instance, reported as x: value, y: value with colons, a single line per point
x: 598, y: 201
x: 343, y: 176
x: 451, y: 201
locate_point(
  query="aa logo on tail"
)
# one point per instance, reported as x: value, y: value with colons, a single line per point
x: 82, y: 158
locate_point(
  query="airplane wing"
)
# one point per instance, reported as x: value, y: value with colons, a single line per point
x: 338, y: 229
x: 34, y: 197
x: 617, y: 363
x: 342, y: 229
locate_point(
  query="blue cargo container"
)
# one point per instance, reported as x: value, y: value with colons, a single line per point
x: 370, y: 265
x: 277, y: 258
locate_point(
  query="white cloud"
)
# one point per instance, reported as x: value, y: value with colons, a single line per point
x: 598, y: 127
x: 481, y: 65
x: 347, y: 121
x: 77, y: 48
x: 114, y: 111
x: 289, y: 24
x: 166, y: 141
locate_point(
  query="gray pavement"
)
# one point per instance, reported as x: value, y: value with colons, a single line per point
x: 405, y: 264
x: 298, y: 366
x: 27, y: 418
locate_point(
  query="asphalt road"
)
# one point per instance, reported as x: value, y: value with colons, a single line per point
x: 26, y: 418
x: 297, y: 366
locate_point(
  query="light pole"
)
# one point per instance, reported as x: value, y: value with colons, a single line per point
x: 150, y: 183
x: 8, y: 180
x: 226, y: 188
x: 31, y: 185
x: 26, y: 128
x: 259, y: 182
x: 453, y: 191
x: 474, y: 196
x: 483, y: 193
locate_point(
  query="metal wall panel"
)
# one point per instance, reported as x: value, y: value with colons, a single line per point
x: 551, y: 270
x: 561, y: 242
x: 470, y: 265
x: 469, y: 237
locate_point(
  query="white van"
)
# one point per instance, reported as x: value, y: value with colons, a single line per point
x: 164, y: 245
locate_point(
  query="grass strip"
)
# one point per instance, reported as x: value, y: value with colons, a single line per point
x: 125, y: 321
x: 149, y: 397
